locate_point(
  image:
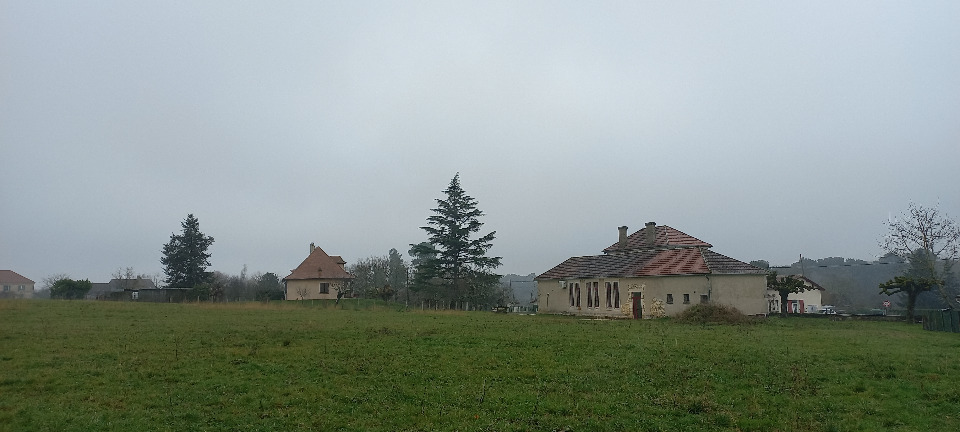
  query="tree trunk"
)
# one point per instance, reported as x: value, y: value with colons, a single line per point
x: 911, y: 304
x: 783, y: 303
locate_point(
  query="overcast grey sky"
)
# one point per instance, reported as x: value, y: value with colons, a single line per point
x: 769, y: 129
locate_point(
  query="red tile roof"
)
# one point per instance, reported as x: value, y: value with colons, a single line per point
x: 665, y: 237
x: 673, y: 254
x: 12, y: 277
x: 666, y: 262
x: 319, y: 265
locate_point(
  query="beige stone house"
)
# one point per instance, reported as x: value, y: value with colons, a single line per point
x: 656, y: 271
x: 319, y: 276
x: 13, y: 285
x: 808, y: 301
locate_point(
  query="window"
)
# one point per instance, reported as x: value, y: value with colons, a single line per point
x: 669, y: 298
x: 596, y: 294
x: 686, y: 299
x: 6, y: 288
x: 324, y: 288
x: 22, y: 287
x: 135, y: 295
x: 616, y: 294
x: 703, y: 298
x: 589, y: 296
x: 570, y: 289
x: 609, y: 289
x: 577, y: 294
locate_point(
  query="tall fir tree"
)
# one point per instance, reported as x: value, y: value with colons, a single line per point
x: 450, y: 265
x: 185, y: 258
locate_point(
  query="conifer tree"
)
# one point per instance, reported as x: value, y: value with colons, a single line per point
x: 185, y: 257
x: 450, y: 265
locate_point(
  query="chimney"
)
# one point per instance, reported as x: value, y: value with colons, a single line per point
x: 650, y: 234
x: 312, y: 247
x: 622, y: 244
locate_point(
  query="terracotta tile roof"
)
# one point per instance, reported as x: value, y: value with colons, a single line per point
x: 319, y: 265
x: 12, y: 277
x: 665, y: 237
x: 665, y: 262
x: 722, y: 264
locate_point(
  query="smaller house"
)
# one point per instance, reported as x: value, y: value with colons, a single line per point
x: 319, y: 276
x: 13, y: 285
x: 807, y: 301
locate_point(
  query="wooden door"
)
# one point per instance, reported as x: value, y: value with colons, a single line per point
x: 637, y: 307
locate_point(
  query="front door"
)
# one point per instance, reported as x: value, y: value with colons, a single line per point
x: 637, y: 307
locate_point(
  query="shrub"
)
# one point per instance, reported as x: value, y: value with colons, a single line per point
x: 709, y: 313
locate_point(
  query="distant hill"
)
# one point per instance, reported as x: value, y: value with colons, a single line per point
x: 853, y: 284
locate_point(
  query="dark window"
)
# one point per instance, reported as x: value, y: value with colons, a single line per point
x: 589, y: 296
x: 703, y: 298
x: 324, y: 288
x: 686, y: 299
x: 616, y: 294
x: 6, y: 287
x: 596, y: 294
x: 609, y: 293
x: 669, y: 298
x: 570, y: 290
x: 577, y: 295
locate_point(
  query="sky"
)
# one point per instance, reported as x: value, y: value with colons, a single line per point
x: 768, y: 129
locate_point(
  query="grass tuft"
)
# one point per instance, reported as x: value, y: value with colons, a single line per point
x: 709, y: 313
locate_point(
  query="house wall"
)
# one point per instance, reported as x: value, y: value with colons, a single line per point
x: 16, y: 290
x: 812, y: 300
x: 311, y: 289
x: 659, y: 296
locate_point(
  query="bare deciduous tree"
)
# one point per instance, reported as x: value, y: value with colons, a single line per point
x: 930, y: 240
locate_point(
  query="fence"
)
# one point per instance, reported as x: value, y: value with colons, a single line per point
x: 942, y: 320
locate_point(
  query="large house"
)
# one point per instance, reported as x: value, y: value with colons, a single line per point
x: 807, y: 301
x: 13, y: 285
x: 656, y: 271
x: 319, y: 276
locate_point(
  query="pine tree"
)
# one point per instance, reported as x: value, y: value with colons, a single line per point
x: 185, y: 257
x: 451, y: 266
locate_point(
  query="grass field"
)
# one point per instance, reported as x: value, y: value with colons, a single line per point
x: 83, y: 366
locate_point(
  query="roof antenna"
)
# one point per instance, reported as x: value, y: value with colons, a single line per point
x: 801, y: 266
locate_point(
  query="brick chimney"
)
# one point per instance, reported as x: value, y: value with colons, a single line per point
x: 312, y: 247
x: 650, y: 234
x: 622, y: 242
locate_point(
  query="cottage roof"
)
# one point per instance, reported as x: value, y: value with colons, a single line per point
x: 806, y: 281
x: 12, y: 277
x: 665, y: 237
x: 319, y: 265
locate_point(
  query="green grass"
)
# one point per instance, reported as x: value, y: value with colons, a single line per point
x: 80, y: 366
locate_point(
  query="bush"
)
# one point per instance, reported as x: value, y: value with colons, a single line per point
x: 708, y: 313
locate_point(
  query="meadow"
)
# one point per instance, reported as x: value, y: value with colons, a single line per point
x: 105, y: 366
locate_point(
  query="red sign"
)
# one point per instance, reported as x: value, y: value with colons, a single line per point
x: 886, y: 303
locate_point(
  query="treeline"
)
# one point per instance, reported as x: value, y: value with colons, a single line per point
x: 390, y: 278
